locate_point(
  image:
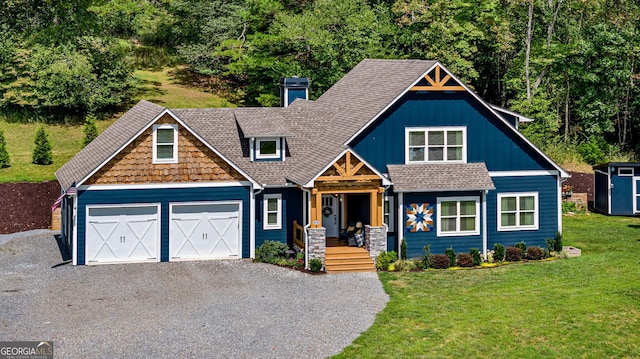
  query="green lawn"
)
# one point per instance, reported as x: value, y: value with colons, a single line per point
x: 586, y: 307
x: 162, y: 87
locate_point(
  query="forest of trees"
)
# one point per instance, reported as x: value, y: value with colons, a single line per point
x: 569, y: 64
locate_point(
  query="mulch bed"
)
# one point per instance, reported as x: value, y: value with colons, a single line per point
x: 26, y: 206
x: 582, y: 183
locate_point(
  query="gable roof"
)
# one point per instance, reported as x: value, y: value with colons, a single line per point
x: 110, y: 141
x: 317, y: 132
x: 440, y: 177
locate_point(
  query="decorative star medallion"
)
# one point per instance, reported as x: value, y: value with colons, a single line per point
x: 419, y: 217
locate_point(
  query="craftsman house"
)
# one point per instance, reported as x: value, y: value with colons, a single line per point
x: 400, y: 146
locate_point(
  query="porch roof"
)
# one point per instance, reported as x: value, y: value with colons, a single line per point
x: 440, y: 177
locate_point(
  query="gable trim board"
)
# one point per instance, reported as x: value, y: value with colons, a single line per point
x: 488, y: 107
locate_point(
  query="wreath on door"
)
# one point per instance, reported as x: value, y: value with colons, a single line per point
x: 327, y: 211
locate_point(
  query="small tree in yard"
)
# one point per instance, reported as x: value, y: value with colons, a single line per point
x: 90, y: 130
x: 42, y: 152
x: 4, y: 154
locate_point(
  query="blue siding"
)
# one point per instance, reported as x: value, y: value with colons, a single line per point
x: 621, y: 194
x: 489, y: 140
x: 547, y: 189
x: 292, y: 211
x: 417, y: 240
x: 601, y: 189
x: 164, y: 197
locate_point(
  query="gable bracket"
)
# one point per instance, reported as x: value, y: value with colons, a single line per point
x: 438, y: 83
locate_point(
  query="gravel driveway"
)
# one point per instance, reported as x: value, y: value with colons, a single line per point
x: 180, y: 310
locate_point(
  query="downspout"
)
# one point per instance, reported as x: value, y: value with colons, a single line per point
x: 75, y: 229
x: 560, y: 182
x: 252, y: 222
x: 484, y: 223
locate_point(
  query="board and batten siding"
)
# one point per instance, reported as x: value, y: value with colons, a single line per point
x: 489, y: 140
x: 291, y: 211
x: 164, y: 196
x: 417, y: 240
x: 547, y: 189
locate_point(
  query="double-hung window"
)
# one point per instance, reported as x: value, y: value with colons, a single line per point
x: 436, y: 144
x: 165, y: 143
x: 517, y: 211
x: 272, y: 215
x: 458, y: 216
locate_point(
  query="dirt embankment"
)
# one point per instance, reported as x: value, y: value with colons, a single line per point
x: 26, y: 206
x: 582, y: 183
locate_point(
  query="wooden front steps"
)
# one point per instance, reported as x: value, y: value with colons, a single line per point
x: 348, y: 259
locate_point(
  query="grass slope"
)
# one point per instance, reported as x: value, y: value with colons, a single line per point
x: 66, y: 140
x: 586, y: 307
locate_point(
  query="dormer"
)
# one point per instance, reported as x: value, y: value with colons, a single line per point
x: 266, y: 132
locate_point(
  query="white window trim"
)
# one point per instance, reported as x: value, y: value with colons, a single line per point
x: 265, y: 212
x: 624, y: 174
x: 390, y: 213
x: 175, y: 143
x: 518, y: 227
x: 476, y: 232
x: 426, y: 145
x: 278, y: 153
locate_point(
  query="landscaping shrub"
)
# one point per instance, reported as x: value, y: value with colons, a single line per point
x: 513, y: 254
x: 535, y: 253
x: 42, y: 152
x: 464, y: 260
x: 426, y: 259
x: 498, y: 252
x: 4, y: 154
x: 475, y: 254
x: 440, y: 261
x: 523, y: 248
x: 419, y: 263
x: 271, y: 251
x: 557, y: 245
x: 386, y: 258
x: 403, y: 265
x: 315, y: 265
x: 452, y: 256
x: 403, y: 250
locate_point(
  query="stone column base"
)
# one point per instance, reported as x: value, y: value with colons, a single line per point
x: 317, y: 244
x: 375, y: 240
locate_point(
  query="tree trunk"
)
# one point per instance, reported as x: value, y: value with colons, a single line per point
x: 528, y: 50
x: 566, y: 113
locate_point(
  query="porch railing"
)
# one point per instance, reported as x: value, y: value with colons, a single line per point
x: 298, y: 235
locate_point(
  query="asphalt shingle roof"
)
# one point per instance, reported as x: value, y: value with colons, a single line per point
x: 106, y: 145
x: 440, y: 177
x: 315, y: 131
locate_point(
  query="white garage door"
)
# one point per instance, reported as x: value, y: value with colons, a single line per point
x: 205, y: 231
x: 122, y: 234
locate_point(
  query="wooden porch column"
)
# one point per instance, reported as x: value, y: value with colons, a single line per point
x: 316, y: 208
x: 374, y: 208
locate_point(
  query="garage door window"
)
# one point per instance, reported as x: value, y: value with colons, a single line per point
x: 272, y: 211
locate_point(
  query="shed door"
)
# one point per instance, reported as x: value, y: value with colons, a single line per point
x: 205, y: 231
x: 122, y: 234
x: 636, y: 193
